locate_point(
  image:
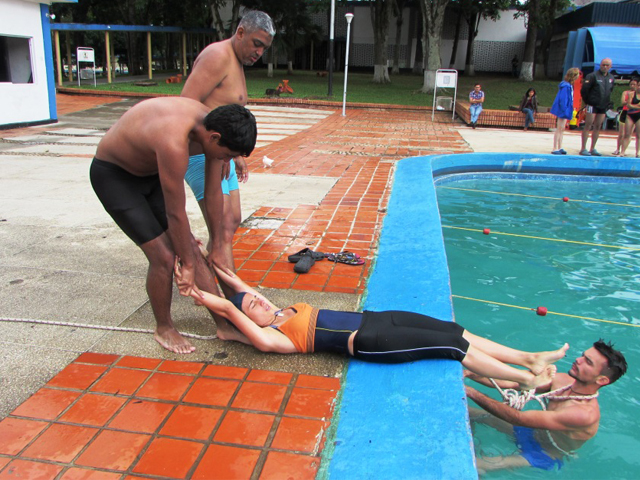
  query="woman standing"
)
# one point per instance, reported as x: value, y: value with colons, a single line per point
x: 633, y: 120
x: 529, y: 106
x: 622, y: 118
x: 563, y: 108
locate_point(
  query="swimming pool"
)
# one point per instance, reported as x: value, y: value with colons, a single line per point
x: 579, y: 258
x: 410, y: 420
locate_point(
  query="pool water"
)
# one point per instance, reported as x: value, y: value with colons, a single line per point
x: 583, y: 275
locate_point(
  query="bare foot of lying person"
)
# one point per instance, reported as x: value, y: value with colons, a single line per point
x: 540, y: 360
x: 538, y: 380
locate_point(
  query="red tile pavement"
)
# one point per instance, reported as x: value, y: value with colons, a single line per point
x: 113, y: 417
x: 359, y: 151
x: 216, y: 422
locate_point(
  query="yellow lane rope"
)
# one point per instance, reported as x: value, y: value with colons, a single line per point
x: 539, y: 196
x: 549, y: 312
x: 545, y: 238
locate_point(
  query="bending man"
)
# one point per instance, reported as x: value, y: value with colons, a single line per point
x: 138, y: 176
x: 571, y: 417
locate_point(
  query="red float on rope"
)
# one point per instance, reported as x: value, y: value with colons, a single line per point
x: 565, y: 199
x: 542, y: 311
x: 486, y: 231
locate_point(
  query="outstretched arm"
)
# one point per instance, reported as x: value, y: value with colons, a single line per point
x: 563, y: 420
x: 264, y: 339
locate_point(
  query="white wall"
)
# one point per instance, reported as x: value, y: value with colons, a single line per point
x: 24, y: 102
x: 505, y: 29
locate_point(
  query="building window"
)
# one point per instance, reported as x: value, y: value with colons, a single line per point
x: 15, y: 60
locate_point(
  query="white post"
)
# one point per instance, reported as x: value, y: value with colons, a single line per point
x: 349, y: 17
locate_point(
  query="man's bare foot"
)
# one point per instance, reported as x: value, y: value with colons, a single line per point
x: 171, y: 339
x: 541, y: 359
x: 545, y: 377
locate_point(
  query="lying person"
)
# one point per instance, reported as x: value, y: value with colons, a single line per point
x: 383, y: 337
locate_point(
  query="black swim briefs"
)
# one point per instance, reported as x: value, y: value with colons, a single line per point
x: 135, y: 203
x: 396, y: 337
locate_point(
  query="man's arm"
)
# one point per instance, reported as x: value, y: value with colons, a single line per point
x: 172, y: 165
x: 563, y: 420
x: 587, y: 85
x: 214, y: 208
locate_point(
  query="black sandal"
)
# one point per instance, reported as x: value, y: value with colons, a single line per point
x: 296, y: 257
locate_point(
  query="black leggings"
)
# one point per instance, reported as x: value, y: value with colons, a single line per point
x: 135, y: 203
x: 397, y: 337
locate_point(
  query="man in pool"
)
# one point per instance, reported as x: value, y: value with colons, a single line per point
x: 571, y: 417
x: 218, y: 79
x: 138, y: 175
x: 381, y: 337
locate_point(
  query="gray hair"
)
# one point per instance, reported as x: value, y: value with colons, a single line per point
x: 254, y: 20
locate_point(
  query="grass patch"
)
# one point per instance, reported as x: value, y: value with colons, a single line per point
x: 500, y: 90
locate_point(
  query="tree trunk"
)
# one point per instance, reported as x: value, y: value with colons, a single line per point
x: 69, y: 57
x: 526, y: 69
x: 380, y: 10
x: 456, y: 39
x: 396, y: 50
x: 217, y: 23
x: 469, y: 64
x: 289, y: 67
x: 545, y: 45
x: 272, y: 60
x: 433, y: 16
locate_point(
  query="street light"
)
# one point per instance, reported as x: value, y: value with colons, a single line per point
x: 349, y: 17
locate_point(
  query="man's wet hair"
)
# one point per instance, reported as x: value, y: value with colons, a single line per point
x: 616, y: 363
x: 255, y: 20
x: 236, y: 126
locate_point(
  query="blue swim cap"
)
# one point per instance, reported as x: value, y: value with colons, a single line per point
x: 237, y: 300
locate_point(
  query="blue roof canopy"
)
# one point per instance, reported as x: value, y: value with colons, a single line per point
x: 588, y: 46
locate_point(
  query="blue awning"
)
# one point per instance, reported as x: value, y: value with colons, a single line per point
x: 588, y: 46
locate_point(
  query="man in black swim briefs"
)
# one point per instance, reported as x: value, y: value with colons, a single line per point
x: 138, y: 175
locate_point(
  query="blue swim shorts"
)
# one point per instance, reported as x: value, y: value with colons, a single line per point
x: 532, y: 451
x: 195, y: 177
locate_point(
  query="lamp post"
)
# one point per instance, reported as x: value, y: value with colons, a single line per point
x: 332, y: 21
x: 349, y: 17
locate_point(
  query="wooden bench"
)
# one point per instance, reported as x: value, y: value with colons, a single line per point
x: 505, y: 118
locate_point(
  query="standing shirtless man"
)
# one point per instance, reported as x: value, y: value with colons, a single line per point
x: 571, y: 418
x: 138, y: 174
x: 218, y: 79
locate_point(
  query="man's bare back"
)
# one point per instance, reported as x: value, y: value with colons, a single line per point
x: 149, y: 128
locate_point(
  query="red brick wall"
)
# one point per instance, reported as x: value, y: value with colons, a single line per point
x: 504, y: 118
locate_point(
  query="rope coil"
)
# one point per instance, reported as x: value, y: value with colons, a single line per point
x: 518, y: 400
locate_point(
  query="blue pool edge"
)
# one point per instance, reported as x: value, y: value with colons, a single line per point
x: 411, y: 420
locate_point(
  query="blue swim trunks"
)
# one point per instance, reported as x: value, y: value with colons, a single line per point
x: 533, y: 451
x: 195, y: 177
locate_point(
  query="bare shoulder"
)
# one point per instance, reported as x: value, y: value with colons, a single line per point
x: 214, y: 54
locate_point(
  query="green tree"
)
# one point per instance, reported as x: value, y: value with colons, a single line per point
x: 433, y: 12
x: 538, y: 14
x: 380, y: 18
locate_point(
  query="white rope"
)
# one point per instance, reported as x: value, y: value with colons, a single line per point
x: 99, y: 327
x: 518, y: 400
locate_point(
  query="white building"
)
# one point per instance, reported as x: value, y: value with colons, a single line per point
x: 27, y: 87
